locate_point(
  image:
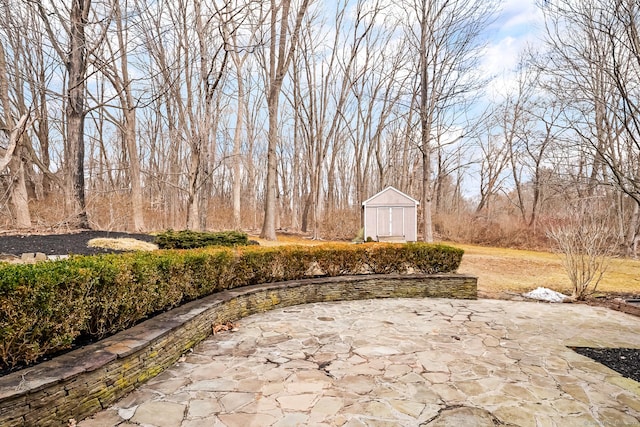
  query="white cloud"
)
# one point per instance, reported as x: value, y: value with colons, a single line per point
x: 519, y: 26
x: 518, y: 15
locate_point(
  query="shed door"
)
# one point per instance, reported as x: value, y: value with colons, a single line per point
x: 390, y: 221
x: 384, y: 221
x: 397, y: 221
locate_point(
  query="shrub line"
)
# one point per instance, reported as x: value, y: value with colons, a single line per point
x: 46, y: 307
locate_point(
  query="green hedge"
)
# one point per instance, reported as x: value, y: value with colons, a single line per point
x: 44, y: 307
x: 188, y: 239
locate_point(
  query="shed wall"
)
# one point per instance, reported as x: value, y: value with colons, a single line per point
x: 397, y: 221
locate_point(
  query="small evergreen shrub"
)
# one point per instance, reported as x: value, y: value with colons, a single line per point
x: 45, y: 307
x: 340, y: 260
x: 187, y: 239
x: 432, y: 259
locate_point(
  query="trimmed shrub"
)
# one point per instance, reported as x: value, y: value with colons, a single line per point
x: 274, y: 264
x: 386, y: 258
x: 44, y: 307
x: 133, y: 287
x: 187, y: 239
x: 432, y: 259
x: 340, y: 260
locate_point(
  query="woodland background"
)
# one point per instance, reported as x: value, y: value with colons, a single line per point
x: 145, y: 115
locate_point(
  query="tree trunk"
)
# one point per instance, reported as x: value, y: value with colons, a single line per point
x: 315, y: 192
x: 237, y: 160
x: 305, y: 213
x: 269, y: 225
x: 19, y: 195
x: 13, y: 155
x: 130, y: 124
x: 193, y: 202
x: 134, y: 171
x: 427, y: 229
x: 425, y: 126
x: 75, y: 112
x: 631, y: 235
x: 278, y: 65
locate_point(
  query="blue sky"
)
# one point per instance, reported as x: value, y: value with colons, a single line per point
x: 519, y: 24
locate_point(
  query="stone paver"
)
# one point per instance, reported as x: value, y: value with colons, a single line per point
x: 401, y: 362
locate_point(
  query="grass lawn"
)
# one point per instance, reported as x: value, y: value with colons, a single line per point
x: 502, y: 272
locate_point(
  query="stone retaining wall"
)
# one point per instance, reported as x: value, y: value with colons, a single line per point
x: 84, y: 381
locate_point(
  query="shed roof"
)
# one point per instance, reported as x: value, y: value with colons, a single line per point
x: 390, y: 196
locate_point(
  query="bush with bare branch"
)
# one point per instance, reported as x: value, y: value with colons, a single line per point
x: 587, y: 240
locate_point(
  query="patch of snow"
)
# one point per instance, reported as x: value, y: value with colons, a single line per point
x: 544, y: 294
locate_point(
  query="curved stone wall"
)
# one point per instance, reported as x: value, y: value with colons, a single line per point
x: 84, y: 381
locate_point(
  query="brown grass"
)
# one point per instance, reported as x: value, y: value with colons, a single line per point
x: 289, y: 239
x: 508, y: 271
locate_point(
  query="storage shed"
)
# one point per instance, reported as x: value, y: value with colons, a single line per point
x: 391, y: 215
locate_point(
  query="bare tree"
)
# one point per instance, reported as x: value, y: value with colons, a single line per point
x: 74, y: 56
x: 30, y: 69
x: 115, y: 66
x: 448, y: 41
x: 14, y: 152
x: 324, y: 86
x: 189, y: 68
x: 516, y: 123
x: 594, y: 61
x: 528, y: 119
x: 585, y: 238
x: 282, y: 45
x: 238, y: 61
x: 241, y: 45
x: 494, y: 161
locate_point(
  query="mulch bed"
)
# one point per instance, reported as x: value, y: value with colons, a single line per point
x: 62, y: 244
x: 625, y: 361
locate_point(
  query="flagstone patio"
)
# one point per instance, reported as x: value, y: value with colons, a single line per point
x: 397, y: 362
